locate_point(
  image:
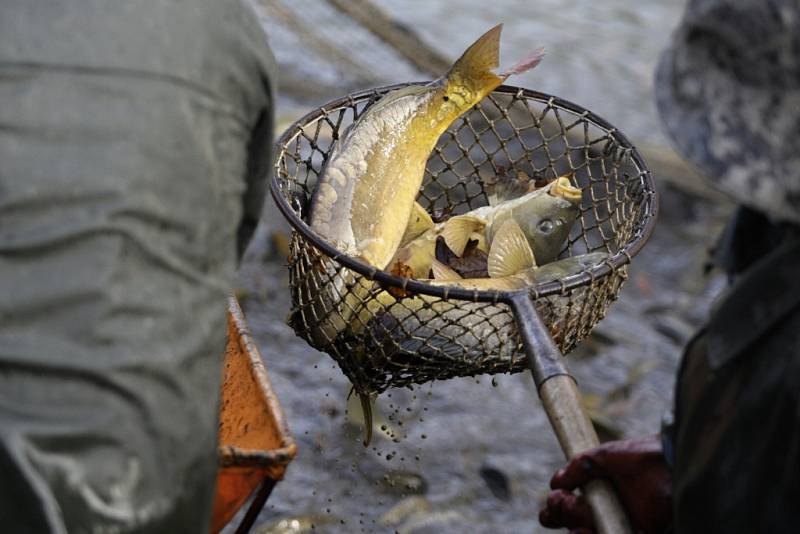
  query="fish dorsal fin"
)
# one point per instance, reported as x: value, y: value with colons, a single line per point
x: 443, y: 272
x: 419, y: 223
x: 510, y: 252
x: 480, y: 58
x: 458, y: 230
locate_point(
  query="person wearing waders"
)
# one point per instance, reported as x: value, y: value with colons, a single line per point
x: 134, y: 147
x: 728, y: 90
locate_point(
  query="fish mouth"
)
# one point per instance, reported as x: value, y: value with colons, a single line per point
x: 563, y: 188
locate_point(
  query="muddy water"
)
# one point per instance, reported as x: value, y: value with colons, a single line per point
x: 475, y: 455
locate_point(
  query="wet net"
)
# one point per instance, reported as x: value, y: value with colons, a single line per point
x: 387, y: 331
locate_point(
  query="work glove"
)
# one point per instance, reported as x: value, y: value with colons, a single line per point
x: 637, y: 471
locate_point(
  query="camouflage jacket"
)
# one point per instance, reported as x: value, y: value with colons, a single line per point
x: 736, y: 437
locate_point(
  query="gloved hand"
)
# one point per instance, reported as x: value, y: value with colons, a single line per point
x: 639, y: 474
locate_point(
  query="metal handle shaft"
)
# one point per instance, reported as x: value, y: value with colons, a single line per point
x: 562, y: 402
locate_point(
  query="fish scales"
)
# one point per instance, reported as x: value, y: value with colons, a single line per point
x: 375, y: 165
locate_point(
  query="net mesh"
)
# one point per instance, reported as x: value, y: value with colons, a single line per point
x: 384, y: 335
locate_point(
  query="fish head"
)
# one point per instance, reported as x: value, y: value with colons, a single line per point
x: 546, y: 217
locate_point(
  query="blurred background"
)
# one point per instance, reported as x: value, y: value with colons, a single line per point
x: 599, y: 54
x: 476, y: 455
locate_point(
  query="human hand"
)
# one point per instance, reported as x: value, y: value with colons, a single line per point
x: 639, y: 474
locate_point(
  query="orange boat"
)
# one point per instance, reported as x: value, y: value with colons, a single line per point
x: 255, y: 444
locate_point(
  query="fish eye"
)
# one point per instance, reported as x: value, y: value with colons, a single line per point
x: 446, y: 98
x: 545, y: 226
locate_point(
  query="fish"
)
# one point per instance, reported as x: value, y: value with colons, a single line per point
x: 546, y: 227
x: 365, y: 196
x: 545, y: 216
x: 366, y: 190
x: 512, y: 265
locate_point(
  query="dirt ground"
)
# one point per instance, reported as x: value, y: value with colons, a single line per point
x: 471, y: 455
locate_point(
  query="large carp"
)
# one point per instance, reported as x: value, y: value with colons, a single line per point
x: 365, y: 194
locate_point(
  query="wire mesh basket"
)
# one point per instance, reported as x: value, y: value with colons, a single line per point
x: 388, y: 331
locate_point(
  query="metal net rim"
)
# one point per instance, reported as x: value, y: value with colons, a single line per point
x: 618, y: 260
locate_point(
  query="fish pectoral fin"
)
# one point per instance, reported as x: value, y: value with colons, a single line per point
x: 510, y: 252
x: 419, y: 223
x: 477, y: 61
x: 443, y: 272
x: 458, y: 230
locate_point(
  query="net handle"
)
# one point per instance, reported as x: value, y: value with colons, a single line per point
x: 562, y: 402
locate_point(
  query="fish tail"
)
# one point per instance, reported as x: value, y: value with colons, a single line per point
x: 526, y: 64
x: 366, y: 409
x: 477, y: 62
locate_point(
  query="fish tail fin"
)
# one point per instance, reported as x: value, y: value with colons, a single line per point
x: 526, y: 64
x: 477, y: 61
x: 366, y: 409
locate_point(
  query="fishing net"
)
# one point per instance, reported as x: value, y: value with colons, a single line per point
x: 422, y: 332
